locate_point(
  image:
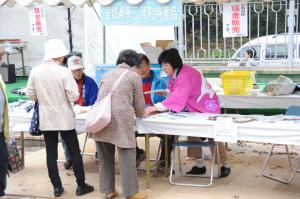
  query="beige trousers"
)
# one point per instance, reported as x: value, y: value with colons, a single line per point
x: 197, y: 152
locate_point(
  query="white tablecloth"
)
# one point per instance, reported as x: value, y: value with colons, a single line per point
x: 259, y: 102
x: 197, y: 125
x: 18, y: 45
x: 191, y: 124
x: 20, y: 121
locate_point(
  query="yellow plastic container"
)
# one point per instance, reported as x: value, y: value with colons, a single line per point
x: 237, y: 82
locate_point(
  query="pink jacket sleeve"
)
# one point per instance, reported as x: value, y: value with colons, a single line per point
x: 180, y: 92
x: 170, y: 84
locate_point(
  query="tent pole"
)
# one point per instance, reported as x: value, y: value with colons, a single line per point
x: 181, y: 36
x: 104, y: 44
x: 291, y: 26
x: 70, y: 30
x: 3, y: 3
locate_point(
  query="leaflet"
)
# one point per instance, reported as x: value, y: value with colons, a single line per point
x: 156, y: 91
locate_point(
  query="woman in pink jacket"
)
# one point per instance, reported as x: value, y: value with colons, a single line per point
x: 189, y: 91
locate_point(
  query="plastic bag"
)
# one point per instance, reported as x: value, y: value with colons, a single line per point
x: 15, y: 162
x: 281, y: 86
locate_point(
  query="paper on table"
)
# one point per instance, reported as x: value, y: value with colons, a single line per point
x: 154, y: 91
x: 225, y: 130
x: 81, y: 109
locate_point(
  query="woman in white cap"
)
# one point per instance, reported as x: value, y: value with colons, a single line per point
x: 54, y: 87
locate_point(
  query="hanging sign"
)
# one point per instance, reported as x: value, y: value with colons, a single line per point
x: 235, y: 19
x: 37, y: 19
x: 146, y: 12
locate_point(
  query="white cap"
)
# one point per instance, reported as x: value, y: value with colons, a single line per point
x: 55, y: 48
x: 75, y: 62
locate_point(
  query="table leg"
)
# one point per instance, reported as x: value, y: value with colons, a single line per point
x: 22, y: 148
x: 148, y: 169
x: 226, y: 144
x: 166, y: 155
x: 7, y: 58
x: 84, y: 144
x: 217, y: 159
x: 23, y: 63
x: 218, y: 155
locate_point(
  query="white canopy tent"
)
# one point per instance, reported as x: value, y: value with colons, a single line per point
x: 86, y: 28
x: 69, y: 3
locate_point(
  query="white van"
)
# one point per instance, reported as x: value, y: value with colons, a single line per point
x: 271, y: 51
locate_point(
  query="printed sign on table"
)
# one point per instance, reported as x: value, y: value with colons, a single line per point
x: 226, y: 130
x: 147, y: 12
x: 235, y: 19
x: 37, y: 19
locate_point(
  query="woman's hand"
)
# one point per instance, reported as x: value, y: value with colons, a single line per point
x: 150, y: 110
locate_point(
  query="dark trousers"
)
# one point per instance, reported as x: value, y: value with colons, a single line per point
x: 3, y: 163
x: 70, y: 137
x: 171, y: 140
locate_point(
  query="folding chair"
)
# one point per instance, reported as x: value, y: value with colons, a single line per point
x: 195, y: 144
x: 292, y: 110
x: 83, y: 148
x: 84, y: 145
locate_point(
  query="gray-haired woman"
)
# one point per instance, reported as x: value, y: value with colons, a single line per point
x: 127, y: 102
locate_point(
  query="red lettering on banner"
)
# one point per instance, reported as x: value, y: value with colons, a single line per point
x: 39, y: 29
x: 235, y: 22
x: 38, y: 23
x: 235, y: 15
x: 235, y: 8
x: 37, y: 17
x: 36, y: 10
x: 236, y: 29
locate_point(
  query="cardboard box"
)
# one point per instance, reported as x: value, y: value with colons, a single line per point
x: 153, y: 52
x: 163, y: 43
